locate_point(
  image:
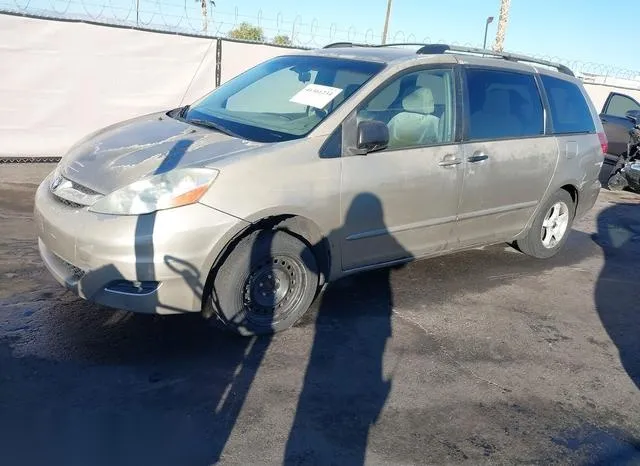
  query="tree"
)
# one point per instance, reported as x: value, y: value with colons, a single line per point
x: 246, y: 31
x: 282, y: 39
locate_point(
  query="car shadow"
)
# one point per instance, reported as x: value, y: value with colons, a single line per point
x: 617, y: 293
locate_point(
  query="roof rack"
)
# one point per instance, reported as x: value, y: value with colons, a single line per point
x: 438, y: 49
x: 443, y: 48
x: 355, y: 44
x: 345, y: 44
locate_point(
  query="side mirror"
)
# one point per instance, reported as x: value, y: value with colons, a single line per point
x: 373, y: 135
x: 634, y: 116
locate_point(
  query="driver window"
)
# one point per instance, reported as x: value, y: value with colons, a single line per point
x: 417, y: 107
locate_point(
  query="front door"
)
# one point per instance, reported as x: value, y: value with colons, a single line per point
x: 401, y: 202
x: 615, y: 123
x: 508, y: 160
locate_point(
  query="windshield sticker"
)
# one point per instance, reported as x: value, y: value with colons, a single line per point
x: 316, y: 95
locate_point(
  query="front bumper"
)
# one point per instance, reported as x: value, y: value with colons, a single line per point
x: 154, y: 263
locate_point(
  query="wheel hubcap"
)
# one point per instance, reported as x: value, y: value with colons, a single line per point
x: 273, y: 289
x: 270, y: 287
x: 555, y: 225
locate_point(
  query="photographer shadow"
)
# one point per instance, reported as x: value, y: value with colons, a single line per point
x: 345, y: 387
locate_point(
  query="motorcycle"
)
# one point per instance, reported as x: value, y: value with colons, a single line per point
x: 626, y: 172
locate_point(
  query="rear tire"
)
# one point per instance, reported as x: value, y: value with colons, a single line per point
x: 265, y: 284
x: 550, y: 229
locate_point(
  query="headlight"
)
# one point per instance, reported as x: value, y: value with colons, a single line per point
x: 172, y: 189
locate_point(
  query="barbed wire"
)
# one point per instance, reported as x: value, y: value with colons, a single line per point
x: 188, y: 17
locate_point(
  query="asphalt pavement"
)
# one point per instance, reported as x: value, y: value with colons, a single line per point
x: 481, y: 357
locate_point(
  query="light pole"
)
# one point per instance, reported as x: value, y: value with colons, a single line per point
x: 486, y: 29
x: 386, y: 23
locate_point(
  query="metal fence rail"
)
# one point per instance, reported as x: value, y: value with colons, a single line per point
x: 189, y: 17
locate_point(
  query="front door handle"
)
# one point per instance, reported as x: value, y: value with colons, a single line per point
x: 449, y: 161
x: 477, y: 157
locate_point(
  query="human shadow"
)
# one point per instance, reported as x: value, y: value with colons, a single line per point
x: 189, y: 380
x: 617, y: 293
x: 240, y: 365
x: 145, y: 224
x: 345, y: 387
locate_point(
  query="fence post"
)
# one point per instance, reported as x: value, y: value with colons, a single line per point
x: 218, y: 62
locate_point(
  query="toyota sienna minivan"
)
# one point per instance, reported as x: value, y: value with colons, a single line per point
x: 315, y: 165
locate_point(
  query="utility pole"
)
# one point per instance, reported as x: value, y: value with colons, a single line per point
x: 502, y: 25
x: 205, y: 19
x: 486, y: 29
x: 386, y: 23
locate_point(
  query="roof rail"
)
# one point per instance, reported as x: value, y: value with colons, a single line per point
x: 438, y: 49
x: 354, y: 44
x: 344, y: 44
x: 443, y: 48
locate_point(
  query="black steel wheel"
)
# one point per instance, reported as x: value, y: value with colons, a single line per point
x: 266, y: 283
x: 274, y: 289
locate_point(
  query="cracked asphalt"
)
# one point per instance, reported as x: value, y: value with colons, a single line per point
x: 481, y: 357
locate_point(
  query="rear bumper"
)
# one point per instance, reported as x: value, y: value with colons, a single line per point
x: 154, y: 263
x: 587, y: 197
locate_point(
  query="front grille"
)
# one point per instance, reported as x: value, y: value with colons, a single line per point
x: 84, y: 189
x: 72, y: 271
x: 74, y: 205
x: 129, y: 287
x: 71, y: 193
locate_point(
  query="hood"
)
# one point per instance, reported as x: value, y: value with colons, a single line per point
x: 126, y: 152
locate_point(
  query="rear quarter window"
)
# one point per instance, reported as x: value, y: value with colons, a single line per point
x: 503, y: 104
x: 569, y: 110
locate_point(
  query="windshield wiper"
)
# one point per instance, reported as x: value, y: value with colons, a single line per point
x: 212, y: 125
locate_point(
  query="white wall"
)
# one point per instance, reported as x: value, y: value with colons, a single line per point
x: 599, y: 93
x: 238, y: 57
x: 61, y: 80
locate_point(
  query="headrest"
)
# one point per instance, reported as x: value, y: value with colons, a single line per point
x: 408, y: 128
x: 419, y: 101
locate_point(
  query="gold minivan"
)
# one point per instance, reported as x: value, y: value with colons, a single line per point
x: 315, y: 165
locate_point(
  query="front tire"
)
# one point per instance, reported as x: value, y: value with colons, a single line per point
x: 550, y: 229
x: 265, y: 284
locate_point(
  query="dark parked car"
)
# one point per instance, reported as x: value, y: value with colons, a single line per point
x: 616, y: 123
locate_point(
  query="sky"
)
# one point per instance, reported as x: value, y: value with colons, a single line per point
x: 571, y: 29
x: 588, y: 31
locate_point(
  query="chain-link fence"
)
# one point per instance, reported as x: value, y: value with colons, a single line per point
x: 203, y: 18
x: 28, y: 159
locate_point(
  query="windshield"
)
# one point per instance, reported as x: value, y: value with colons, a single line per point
x: 283, y: 98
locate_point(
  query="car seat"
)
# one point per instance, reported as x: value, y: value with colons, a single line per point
x: 415, y: 125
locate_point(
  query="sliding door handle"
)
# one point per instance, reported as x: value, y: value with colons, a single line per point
x: 477, y: 157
